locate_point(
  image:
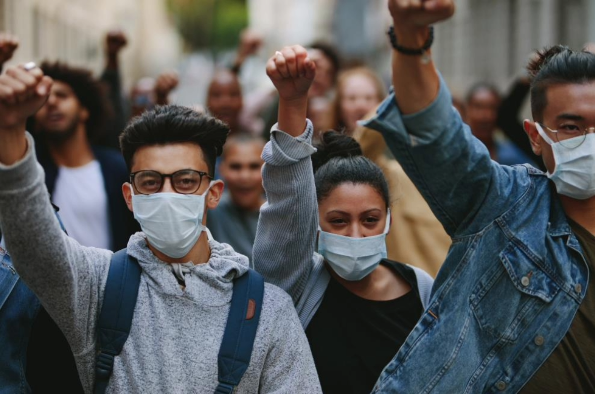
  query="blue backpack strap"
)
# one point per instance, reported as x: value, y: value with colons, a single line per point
x: 240, y: 330
x: 115, y: 318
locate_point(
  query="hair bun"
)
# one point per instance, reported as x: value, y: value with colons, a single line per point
x: 542, y: 57
x: 334, y: 144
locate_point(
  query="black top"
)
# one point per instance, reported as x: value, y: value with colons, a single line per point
x: 352, y: 339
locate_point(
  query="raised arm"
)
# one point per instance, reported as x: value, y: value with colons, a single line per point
x: 451, y: 169
x: 286, y: 234
x: 55, y: 267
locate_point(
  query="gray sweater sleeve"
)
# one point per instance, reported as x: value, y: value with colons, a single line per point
x: 286, y: 234
x: 64, y: 275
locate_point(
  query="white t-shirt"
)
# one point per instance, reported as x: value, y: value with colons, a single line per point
x: 80, y: 195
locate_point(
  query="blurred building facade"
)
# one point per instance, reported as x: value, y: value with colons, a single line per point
x: 493, y: 39
x: 486, y: 40
x: 74, y: 31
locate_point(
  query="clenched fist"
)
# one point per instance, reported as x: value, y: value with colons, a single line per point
x: 166, y: 82
x: 22, y: 93
x: 292, y: 72
x: 419, y: 13
x: 8, y: 44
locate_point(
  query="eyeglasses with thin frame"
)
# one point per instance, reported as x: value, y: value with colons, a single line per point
x: 570, y: 136
x: 182, y: 181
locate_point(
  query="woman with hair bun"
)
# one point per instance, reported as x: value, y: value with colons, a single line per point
x: 321, y: 238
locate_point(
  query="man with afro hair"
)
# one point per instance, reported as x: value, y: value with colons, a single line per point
x: 83, y: 179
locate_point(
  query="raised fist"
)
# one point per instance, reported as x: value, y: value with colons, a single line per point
x: 165, y: 83
x: 292, y: 72
x: 8, y: 44
x: 115, y: 41
x: 22, y: 93
x: 250, y: 42
x: 419, y: 13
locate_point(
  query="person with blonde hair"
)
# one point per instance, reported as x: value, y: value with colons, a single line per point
x: 359, y: 91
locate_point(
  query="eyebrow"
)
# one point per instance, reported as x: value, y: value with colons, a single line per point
x: 565, y: 116
x: 347, y: 213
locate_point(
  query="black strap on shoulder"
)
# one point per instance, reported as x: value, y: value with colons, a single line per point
x: 115, y: 318
x: 240, y: 331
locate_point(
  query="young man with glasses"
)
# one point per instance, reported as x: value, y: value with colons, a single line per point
x: 513, y: 307
x: 187, y: 278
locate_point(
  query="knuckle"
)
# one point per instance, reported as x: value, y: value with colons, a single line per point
x: 12, y: 71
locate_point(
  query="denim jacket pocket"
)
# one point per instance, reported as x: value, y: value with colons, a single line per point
x: 509, y: 297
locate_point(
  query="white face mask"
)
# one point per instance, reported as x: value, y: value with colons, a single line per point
x: 353, y: 258
x: 172, y: 222
x: 574, y: 175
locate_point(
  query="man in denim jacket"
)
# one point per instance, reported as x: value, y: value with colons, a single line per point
x: 513, y: 305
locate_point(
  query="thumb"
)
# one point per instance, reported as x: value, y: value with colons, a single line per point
x: 43, y: 88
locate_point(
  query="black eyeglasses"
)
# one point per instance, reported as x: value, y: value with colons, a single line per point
x: 182, y: 181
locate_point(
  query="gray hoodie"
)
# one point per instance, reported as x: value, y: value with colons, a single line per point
x: 176, y: 334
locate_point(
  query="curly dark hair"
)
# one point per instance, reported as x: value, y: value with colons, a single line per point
x: 170, y: 124
x: 557, y: 65
x: 91, y: 93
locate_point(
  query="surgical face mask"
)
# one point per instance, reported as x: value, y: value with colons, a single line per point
x: 353, y: 258
x: 172, y: 222
x: 574, y: 175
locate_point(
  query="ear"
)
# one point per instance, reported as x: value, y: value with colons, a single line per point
x: 534, y: 137
x: 127, y: 192
x: 215, y: 194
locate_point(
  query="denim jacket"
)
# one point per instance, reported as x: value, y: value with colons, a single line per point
x: 515, y: 274
x: 18, y: 309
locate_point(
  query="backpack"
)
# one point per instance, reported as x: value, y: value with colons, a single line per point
x: 115, y: 320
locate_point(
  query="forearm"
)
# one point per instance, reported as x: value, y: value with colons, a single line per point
x: 415, y: 82
x: 56, y: 268
x: 13, y: 144
x: 288, y: 221
x: 444, y: 161
x: 292, y: 116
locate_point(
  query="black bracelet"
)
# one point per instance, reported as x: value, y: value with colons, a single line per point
x: 409, y: 51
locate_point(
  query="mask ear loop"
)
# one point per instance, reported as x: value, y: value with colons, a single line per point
x: 543, y: 134
x: 388, y: 218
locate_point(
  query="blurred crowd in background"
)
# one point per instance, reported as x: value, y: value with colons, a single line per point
x: 114, y: 60
x: 210, y: 55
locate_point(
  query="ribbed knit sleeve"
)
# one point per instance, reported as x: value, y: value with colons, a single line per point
x: 286, y: 234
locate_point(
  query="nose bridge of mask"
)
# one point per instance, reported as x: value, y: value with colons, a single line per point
x: 353, y: 246
x: 543, y: 134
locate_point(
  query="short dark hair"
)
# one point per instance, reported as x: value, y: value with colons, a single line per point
x: 330, y: 52
x: 478, y: 86
x: 89, y: 91
x: 242, y: 139
x: 170, y: 124
x: 557, y: 65
x: 339, y: 160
